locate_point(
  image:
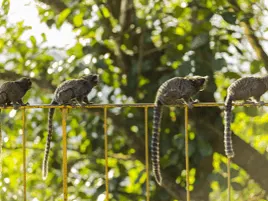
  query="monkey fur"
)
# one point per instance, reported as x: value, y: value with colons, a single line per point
x: 68, y: 93
x: 242, y: 89
x: 174, y: 91
x: 13, y: 91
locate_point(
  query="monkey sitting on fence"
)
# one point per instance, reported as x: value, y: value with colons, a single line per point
x: 12, y: 92
x: 68, y: 93
x: 175, y: 91
x: 242, y: 89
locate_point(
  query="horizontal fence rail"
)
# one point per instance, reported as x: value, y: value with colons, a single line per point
x: 142, y: 105
x: 105, y: 107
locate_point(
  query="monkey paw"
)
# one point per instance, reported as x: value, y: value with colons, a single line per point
x: 24, y: 104
x: 16, y: 106
x: 190, y: 105
x: 260, y: 103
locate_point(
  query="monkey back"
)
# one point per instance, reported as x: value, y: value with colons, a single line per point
x: 179, y: 88
x: 13, y: 91
x: 247, y: 87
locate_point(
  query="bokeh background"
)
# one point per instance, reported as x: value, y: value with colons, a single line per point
x: 135, y: 45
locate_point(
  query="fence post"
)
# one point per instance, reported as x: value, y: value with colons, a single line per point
x: 24, y: 154
x: 64, y: 155
x: 187, y: 151
x: 106, y: 155
x: 147, y: 153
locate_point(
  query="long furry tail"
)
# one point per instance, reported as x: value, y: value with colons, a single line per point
x: 155, y: 143
x: 48, y: 142
x: 228, y: 144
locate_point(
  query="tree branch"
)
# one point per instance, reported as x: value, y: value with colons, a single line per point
x: 245, y: 156
x: 251, y: 37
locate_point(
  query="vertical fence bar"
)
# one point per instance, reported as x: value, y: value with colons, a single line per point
x: 64, y: 154
x: 106, y: 154
x: 1, y: 153
x: 187, y: 152
x: 229, y: 178
x: 147, y: 154
x: 24, y: 154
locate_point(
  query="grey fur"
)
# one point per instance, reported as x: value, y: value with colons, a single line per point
x: 175, y: 91
x: 68, y: 93
x: 13, y: 91
x: 241, y: 89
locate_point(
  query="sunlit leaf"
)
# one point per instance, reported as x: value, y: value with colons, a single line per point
x: 78, y: 20
x: 106, y: 12
x: 5, y: 6
x: 62, y: 17
x: 33, y: 40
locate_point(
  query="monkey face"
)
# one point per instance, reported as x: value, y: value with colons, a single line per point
x: 200, y: 82
x: 203, y: 82
x: 26, y: 82
x: 94, y: 79
x: 29, y: 82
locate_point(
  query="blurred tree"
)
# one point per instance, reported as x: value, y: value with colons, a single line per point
x: 135, y: 45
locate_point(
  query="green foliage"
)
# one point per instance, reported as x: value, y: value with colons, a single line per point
x: 134, y: 51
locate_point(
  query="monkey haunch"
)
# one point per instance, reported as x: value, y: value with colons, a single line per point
x: 70, y: 91
x: 13, y: 91
x: 177, y: 90
x: 242, y: 89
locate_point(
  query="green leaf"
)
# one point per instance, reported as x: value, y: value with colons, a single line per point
x: 251, y: 111
x: 78, y: 20
x: 5, y: 6
x: 237, y: 186
x: 106, y: 12
x: 232, y: 75
x: 76, y: 50
x: 255, y: 66
x: 44, y: 37
x: 229, y: 17
x: 33, y: 41
x: 62, y: 17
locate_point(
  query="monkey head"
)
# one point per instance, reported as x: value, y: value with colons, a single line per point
x: 200, y: 82
x: 92, y: 78
x: 24, y: 83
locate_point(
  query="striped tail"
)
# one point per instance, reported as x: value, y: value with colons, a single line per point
x: 48, y: 142
x: 155, y: 144
x: 228, y: 144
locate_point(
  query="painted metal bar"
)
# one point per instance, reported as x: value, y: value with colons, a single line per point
x: 24, y: 155
x: 229, y: 178
x: 106, y: 155
x: 64, y: 154
x: 147, y: 154
x: 1, y: 153
x: 187, y: 152
x: 149, y: 105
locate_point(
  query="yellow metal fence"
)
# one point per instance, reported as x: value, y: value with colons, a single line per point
x: 105, y: 107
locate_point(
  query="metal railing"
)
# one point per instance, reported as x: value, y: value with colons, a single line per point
x: 105, y: 107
